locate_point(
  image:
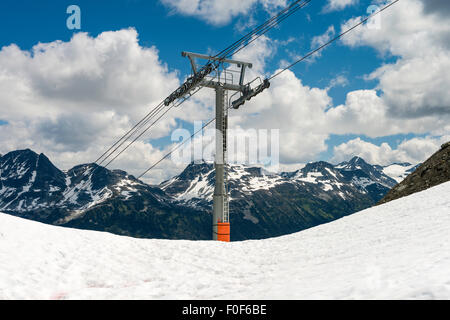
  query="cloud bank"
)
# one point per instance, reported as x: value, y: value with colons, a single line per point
x: 72, y: 100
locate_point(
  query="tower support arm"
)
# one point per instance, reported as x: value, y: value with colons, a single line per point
x: 221, y: 60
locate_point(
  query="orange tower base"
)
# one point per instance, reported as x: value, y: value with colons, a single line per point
x: 223, y: 231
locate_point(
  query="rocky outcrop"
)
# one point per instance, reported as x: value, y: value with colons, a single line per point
x: 434, y: 171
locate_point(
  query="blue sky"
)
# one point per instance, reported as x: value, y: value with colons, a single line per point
x: 29, y: 22
x: 166, y: 26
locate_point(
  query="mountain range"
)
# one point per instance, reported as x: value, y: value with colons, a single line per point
x: 262, y: 204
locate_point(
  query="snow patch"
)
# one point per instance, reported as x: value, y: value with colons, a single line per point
x: 311, y: 177
x: 397, y: 172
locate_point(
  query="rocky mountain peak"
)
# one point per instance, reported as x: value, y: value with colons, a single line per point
x: 354, y: 163
x: 30, y: 182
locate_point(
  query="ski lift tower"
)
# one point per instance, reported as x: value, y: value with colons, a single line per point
x: 214, y: 75
x: 221, y: 83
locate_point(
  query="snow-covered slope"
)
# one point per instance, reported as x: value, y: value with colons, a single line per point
x: 397, y: 250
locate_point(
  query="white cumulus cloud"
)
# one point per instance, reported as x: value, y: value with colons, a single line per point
x: 336, y: 5
x: 219, y: 12
x: 72, y: 100
x: 415, y: 85
x: 414, y: 151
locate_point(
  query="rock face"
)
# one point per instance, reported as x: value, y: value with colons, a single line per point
x: 434, y: 171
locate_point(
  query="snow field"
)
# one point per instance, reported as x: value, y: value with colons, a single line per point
x: 399, y: 250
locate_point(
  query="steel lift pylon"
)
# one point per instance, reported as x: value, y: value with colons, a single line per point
x: 221, y: 83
